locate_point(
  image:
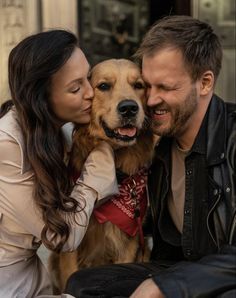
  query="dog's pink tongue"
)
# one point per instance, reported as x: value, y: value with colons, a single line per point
x: 130, y: 132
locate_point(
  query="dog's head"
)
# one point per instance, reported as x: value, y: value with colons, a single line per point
x: 118, y: 109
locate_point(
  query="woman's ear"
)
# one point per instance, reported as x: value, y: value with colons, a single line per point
x: 207, y: 82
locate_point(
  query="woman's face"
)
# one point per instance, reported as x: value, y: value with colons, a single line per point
x: 71, y: 92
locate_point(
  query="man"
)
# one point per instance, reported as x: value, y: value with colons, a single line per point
x: 192, y: 185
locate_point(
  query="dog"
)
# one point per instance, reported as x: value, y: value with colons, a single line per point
x: 119, y: 117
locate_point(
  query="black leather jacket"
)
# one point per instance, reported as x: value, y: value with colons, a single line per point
x: 205, y: 263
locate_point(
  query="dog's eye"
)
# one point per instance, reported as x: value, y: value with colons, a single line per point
x: 104, y: 87
x: 138, y: 85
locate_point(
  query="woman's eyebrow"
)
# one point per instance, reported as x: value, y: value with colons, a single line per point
x: 78, y: 80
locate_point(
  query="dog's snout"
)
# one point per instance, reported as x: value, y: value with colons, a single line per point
x: 128, y: 108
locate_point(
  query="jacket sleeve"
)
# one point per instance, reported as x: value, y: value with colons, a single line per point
x: 211, y: 276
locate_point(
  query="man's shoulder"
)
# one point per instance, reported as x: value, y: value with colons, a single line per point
x: 230, y: 106
x: 222, y: 111
x: 231, y: 115
x: 231, y: 109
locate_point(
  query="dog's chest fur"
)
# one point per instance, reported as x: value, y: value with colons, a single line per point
x: 105, y: 243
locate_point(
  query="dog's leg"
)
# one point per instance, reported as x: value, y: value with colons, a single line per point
x: 68, y: 265
x: 129, y: 253
x: 53, y: 268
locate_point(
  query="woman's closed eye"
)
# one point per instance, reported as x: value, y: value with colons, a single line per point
x: 75, y: 90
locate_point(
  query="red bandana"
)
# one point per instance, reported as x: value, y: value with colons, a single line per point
x: 127, y: 209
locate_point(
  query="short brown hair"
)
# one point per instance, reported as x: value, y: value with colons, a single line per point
x: 196, y: 40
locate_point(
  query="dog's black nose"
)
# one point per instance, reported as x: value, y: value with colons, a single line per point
x: 128, y: 108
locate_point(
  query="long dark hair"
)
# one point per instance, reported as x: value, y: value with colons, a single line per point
x: 31, y: 65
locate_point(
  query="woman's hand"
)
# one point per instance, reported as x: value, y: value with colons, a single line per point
x: 147, y: 289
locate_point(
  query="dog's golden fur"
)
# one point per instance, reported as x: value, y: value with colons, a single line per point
x: 114, y: 81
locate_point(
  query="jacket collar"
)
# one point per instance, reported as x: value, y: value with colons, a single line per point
x: 10, y: 125
x: 216, y: 132
x: 163, y: 148
x: 211, y: 136
x: 200, y: 143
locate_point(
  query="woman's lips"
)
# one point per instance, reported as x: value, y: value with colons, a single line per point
x: 88, y: 109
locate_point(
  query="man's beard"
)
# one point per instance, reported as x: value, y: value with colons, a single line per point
x: 180, y: 114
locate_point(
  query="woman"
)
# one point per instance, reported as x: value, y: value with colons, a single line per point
x: 48, y: 79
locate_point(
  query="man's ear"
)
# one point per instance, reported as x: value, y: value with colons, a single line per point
x: 207, y: 82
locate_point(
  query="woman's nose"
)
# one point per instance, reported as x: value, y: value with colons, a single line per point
x: 89, y: 93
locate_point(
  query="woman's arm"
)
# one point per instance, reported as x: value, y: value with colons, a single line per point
x: 16, y: 190
x: 97, y: 181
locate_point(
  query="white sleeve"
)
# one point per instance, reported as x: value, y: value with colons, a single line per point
x: 16, y: 192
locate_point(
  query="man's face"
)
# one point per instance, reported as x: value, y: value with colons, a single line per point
x: 171, y: 95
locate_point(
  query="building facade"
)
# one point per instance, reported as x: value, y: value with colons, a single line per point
x: 113, y: 28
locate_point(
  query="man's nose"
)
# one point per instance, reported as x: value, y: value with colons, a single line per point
x: 153, y: 97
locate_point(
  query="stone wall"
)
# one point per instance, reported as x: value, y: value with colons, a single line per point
x: 19, y: 18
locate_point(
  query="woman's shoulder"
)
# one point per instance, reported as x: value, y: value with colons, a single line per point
x: 12, y: 141
x: 10, y: 125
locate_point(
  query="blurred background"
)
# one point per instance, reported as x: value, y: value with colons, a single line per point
x: 113, y: 28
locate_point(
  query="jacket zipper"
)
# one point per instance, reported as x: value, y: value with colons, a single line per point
x: 232, y: 229
x: 212, y: 208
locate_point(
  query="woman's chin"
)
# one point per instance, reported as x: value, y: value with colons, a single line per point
x: 82, y: 120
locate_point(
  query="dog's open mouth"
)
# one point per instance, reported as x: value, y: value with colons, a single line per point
x: 125, y: 133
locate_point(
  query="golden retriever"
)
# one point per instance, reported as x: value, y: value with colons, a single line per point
x: 118, y: 117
